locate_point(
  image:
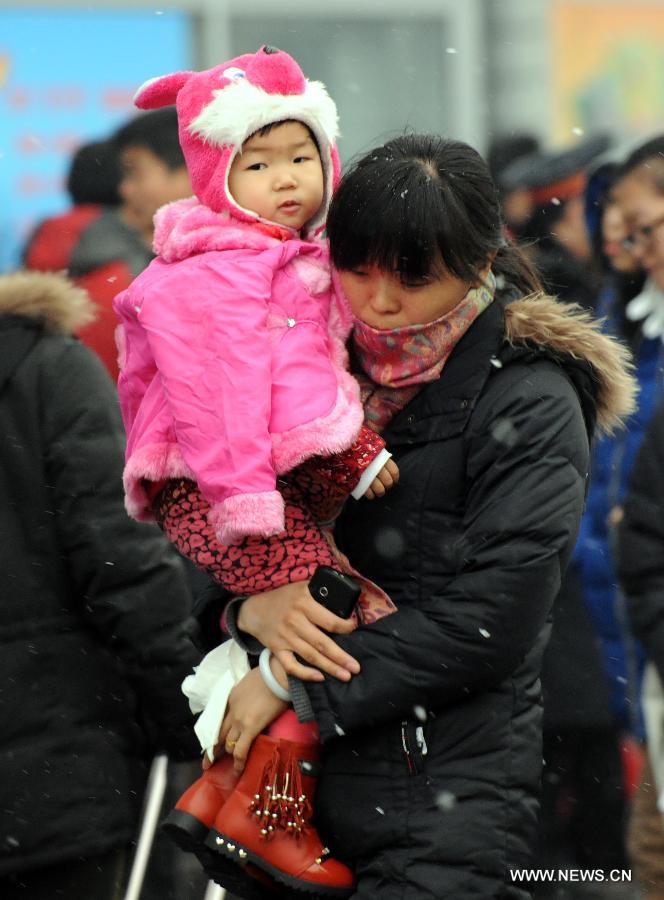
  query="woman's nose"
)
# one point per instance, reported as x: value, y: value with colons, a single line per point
x: 382, y: 297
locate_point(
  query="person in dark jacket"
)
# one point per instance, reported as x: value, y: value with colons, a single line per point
x: 92, y: 184
x: 640, y: 193
x: 516, y: 199
x: 487, y: 393
x: 584, y: 801
x: 92, y: 633
x: 556, y: 230
x: 641, y: 571
x: 106, y: 245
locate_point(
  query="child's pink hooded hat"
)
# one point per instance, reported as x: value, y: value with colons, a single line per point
x: 219, y: 108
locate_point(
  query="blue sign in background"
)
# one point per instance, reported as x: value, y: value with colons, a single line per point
x: 67, y: 77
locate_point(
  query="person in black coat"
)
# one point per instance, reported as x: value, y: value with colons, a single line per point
x: 93, y: 645
x: 432, y: 734
x: 641, y: 572
x: 556, y: 232
x: 641, y: 543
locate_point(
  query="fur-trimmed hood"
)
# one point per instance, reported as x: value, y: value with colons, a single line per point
x: 566, y: 329
x: 48, y: 297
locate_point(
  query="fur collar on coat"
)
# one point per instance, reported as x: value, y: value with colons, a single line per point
x: 47, y: 297
x: 567, y: 330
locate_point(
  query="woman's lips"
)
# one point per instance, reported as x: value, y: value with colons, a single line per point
x: 612, y: 248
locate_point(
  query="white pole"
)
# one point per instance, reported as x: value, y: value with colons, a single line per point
x: 155, y: 797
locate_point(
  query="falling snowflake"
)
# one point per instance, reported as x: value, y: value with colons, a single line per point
x: 446, y: 801
x: 420, y: 713
x: 339, y: 730
x: 380, y: 810
x: 555, y: 201
x: 389, y: 542
x: 451, y: 50
x: 577, y: 131
x: 485, y: 633
x: 504, y: 432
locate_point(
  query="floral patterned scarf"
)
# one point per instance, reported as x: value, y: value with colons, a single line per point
x: 396, y: 364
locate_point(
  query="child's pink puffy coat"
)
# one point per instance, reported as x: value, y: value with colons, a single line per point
x: 233, y: 366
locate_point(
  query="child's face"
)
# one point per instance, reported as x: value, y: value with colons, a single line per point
x: 148, y: 183
x: 279, y: 176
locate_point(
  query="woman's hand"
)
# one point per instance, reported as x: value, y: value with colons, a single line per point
x: 251, y: 707
x: 288, y: 620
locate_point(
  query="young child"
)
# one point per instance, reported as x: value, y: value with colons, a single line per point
x: 234, y: 373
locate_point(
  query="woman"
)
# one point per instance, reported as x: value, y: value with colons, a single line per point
x: 641, y: 570
x: 639, y: 191
x: 486, y: 392
x: 585, y: 707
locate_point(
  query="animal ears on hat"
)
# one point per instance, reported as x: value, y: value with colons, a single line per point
x: 161, y: 91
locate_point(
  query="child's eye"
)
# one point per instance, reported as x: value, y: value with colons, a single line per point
x: 359, y: 273
x: 299, y: 159
x: 257, y: 167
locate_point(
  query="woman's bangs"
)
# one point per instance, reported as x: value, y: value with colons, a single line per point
x: 386, y: 229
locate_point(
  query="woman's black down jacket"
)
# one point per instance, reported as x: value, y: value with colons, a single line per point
x: 641, y: 544
x: 433, y: 753
x: 92, y: 644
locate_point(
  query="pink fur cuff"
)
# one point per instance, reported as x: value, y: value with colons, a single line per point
x: 248, y: 514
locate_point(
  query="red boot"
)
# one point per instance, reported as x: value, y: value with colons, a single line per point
x: 190, y: 821
x: 194, y: 813
x: 266, y: 821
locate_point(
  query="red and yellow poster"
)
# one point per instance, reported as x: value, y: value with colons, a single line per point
x: 608, y: 67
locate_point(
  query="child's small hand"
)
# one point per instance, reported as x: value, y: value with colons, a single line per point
x: 386, y: 479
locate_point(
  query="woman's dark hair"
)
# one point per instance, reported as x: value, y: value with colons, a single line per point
x: 94, y: 174
x: 156, y: 131
x: 420, y: 200
x: 650, y: 158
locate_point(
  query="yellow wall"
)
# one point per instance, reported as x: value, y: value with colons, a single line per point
x: 608, y: 65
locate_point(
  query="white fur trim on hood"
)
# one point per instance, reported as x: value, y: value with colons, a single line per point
x: 241, y: 108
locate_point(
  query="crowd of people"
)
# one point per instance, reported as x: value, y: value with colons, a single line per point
x: 439, y: 377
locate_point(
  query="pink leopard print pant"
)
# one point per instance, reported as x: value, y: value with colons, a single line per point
x: 313, y: 493
x: 256, y: 563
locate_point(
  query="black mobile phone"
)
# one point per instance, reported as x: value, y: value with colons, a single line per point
x: 335, y: 591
